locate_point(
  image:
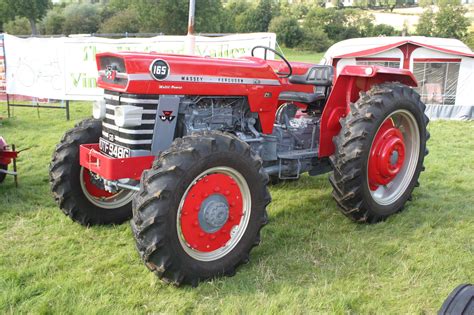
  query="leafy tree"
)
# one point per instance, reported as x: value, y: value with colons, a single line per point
x: 425, y: 26
x: 287, y: 29
x: 53, y: 23
x: 383, y: 29
x: 171, y: 16
x: 81, y: 18
x: 119, y: 5
x: 263, y: 15
x: 449, y: 22
x: 315, y: 39
x: 33, y: 10
x: 340, y: 24
x: 122, y: 22
x: 18, y: 26
x: 234, y: 15
x: 470, y: 40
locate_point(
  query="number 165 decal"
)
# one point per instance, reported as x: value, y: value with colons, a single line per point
x: 159, y: 69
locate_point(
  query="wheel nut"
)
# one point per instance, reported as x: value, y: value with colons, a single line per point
x: 216, y: 189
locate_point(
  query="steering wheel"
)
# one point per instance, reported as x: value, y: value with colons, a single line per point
x: 266, y: 49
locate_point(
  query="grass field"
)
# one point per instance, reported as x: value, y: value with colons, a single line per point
x: 302, y: 56
x: 312, y: 259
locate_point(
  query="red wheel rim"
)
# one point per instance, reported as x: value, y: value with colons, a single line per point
x: 100, y: 197
x: 387, y: 155
x: 221, y: 189
x: 92, y: 189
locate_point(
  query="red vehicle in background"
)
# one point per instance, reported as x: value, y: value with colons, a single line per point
x: 7, y: 156
x: 186, y: 145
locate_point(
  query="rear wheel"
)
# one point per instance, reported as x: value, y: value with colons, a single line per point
x: 379, y: 153
x: 80, y: 193
x: 200, y: 208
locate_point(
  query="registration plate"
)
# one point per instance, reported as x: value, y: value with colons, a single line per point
x: 113, y: 150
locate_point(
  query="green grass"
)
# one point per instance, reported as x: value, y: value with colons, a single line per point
x: 293, y: 54
x: 312, y: 259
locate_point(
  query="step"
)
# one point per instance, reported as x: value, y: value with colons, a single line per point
x: 298, y: 154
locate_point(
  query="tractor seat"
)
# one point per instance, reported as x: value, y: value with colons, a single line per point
x: 301, y: 97
x: 318, y: 75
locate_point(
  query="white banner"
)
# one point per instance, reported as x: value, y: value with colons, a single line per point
x: 65, y: 68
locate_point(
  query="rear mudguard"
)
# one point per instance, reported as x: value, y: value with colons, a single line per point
x: 349, y: 83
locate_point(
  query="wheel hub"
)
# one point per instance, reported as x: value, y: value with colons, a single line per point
x: 214, y: 213
x: 386, y: 156
x: 212, y: 208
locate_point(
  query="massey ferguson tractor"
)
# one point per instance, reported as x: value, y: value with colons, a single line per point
x: 185, y: 146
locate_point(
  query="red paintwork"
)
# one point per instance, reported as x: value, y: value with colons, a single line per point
x: 195, y: 236
x: 377, y: 59
x: 6, y: 155
x: 437, y: 60
x: 110, y: 168
x: 388, y: 139
x: 93, y: 189
x: 263, y: 99
x: 351, y: 81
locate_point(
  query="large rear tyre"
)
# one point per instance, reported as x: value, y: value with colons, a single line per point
x: 200, y: 208
x: 379, y: 153
x: 76, y: 190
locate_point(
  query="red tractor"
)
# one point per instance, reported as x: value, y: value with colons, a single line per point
x: 7, y: 156
x: 186, y: 145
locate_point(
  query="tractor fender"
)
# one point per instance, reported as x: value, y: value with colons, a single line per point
x: 349, y: 83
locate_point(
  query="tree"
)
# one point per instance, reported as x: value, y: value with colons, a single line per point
x: 53, y: 23
x: 33, y: 10
x: 383, y: 29
x: 449, y: 22
x: 18, y: 26
x: 340, y: 24
x: 122, y: 22
x: 470, y: 40
x: 315, y: 39
x: 425, y: 26
x: 287, y: 29
x: 171, y: 16
x: 81, y: 18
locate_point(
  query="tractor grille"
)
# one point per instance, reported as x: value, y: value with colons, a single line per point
x: 135, y: 138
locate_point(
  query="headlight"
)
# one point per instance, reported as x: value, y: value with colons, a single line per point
x: 128, y: 116
x: 98, y: 109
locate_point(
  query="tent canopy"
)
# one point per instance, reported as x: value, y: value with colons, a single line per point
x: 443, y: 67
x: 362, y: 47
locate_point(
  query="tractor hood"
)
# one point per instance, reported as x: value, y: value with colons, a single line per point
x: 151, y: 73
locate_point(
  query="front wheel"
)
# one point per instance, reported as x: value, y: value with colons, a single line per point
x: 379, y: 153
x: 200, y: 208
x: 80, y: 193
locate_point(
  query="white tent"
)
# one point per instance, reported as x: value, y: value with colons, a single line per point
x: 443, y: 67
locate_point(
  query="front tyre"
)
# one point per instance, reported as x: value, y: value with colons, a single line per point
x: 200, y: 208
x: 379, y: 153
x: 78, y: 192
